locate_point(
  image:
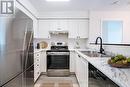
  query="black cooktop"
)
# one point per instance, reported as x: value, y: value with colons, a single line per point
x: 58, y: 49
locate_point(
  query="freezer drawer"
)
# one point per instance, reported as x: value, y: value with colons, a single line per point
x: 25, y: 79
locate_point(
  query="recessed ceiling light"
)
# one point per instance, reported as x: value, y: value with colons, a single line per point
x: 57, y: 0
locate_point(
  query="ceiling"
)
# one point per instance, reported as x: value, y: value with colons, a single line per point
x: 81, y: 5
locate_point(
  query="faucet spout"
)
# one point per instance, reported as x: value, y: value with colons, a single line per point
x: 101, y: 48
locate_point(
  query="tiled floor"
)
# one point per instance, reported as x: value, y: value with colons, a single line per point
x: 45, y: 81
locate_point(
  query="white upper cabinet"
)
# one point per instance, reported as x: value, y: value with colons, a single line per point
x: 53, y: 25
x: 43, y: 29
x: 78, y: 28
x: 73, y: 28
x: 58, y: 25
x: 83, y: 28
x: 63, y: 24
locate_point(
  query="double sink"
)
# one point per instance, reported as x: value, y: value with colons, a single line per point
x: 94, y: 54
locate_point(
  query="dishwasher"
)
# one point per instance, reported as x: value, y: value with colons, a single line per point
x: 98, y: 79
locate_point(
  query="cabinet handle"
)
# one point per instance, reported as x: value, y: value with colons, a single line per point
x: 79, y: 56
x: 37, y: 59
x: 37, y: 72
x: 37, y: 65
x: 78, y: 37
x: 37, y: 54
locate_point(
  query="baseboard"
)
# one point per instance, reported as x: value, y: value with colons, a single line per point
x: 72, y: 73
x: 45, y: 73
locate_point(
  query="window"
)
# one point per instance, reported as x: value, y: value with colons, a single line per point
x: 112, y: 31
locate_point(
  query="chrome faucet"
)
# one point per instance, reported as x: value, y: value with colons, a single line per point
x: 101, y: 49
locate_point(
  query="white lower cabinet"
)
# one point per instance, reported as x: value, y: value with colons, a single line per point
x: 37, y: 71
x: 77, y: 68
x: 43, y: 62
x: 78, y: 28
x: 39, y: 64
x: 72, y: 61
x: 82, y: 71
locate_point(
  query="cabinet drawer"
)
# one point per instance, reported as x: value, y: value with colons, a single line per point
x: 37, y: 60
x: 36, y: 66
x: 37, y: 55
x: 36, y: 74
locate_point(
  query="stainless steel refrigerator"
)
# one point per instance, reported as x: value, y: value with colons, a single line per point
x: 16, y: 50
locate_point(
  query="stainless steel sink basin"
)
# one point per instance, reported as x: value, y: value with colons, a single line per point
x: 94, y: 54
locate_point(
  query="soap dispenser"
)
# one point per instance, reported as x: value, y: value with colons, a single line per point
x: 77, y: 45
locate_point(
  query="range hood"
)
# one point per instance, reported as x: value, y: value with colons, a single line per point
x: 59, y: 32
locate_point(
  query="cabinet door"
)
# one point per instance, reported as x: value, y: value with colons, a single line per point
x: 83, y: 73
x: 43, y: 61
x: 59, y: 25
x: 83, y: 28
x: 73, y: 28
x: 44, y: 27
x: 78, y: 68
x: 63, y: 25
x: 72, y: 61
x: 80, y: 71
x: 53, y: 25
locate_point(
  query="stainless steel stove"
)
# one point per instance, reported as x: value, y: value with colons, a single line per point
x: 58, y: 61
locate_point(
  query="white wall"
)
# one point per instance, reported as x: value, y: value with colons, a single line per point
x: 82, y: 43
x: 71, y: 42
x: 97, y: 16
x: 95, y: 29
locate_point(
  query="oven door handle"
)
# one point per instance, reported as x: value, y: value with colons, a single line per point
x: 58, y: 53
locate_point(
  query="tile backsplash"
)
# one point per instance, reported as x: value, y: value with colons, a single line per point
x: 124, y: 50
x: 63, y: 38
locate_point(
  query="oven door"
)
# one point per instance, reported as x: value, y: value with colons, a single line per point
x: 58, y: 63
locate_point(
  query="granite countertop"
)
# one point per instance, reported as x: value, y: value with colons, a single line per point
x: 78, y: 49
x: 39, y: 50
x: 121, y: 76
